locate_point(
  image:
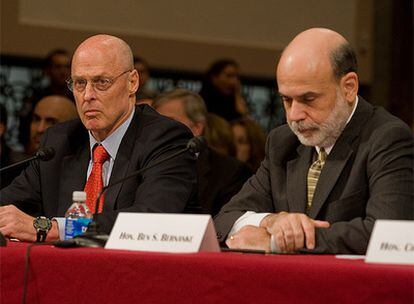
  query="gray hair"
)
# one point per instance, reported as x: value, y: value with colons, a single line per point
x: 343, y: 60
x: 194, y: 104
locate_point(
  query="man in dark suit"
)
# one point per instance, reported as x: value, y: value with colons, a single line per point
x: 338, y: 166
x: 104, y: 83
x: 219, y: 176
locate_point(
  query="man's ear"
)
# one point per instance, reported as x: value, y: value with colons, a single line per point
x: 133, y: 82
x: 349, y: 85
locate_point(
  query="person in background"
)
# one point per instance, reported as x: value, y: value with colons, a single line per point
x: 112, y: 139
x: 144, y: 94
x: 56, y: 68
x: 219, y: 135
x: 249, y: 140
x: 7, y: 155
x: 219, y: 176
x: 49, y: 111
x: 335, y: 168
x: 221, y: 90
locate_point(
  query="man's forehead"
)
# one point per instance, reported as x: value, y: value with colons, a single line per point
x: 47, y: 115
x: 49, y: 109
x: 91, y: 58
x: 90, y: 69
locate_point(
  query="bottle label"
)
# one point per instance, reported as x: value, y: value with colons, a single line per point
x: 75, y: 227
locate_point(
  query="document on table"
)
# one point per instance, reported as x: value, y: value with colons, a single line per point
x: 350, y: 256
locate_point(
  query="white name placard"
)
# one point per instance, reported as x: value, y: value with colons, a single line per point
x: 391, y: 242
x: 180, y: 233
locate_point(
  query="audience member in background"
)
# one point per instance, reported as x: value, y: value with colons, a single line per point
x: 219, y: 176
x: 144, y: 94
x: 222, y: 90
x: 339, y: 164
x: 56, y: 69
x: 48, y: 111
x: 250, y: 141
x: 7, y: 155
x: 219, y: 135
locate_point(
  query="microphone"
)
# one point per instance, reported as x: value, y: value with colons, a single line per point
x: 93, y: 237
x: 196, y: 144
x: 44, y: 154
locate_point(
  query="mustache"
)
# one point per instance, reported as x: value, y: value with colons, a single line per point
x: 301, y: 125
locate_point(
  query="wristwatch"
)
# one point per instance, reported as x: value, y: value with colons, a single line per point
x: 42, y: 225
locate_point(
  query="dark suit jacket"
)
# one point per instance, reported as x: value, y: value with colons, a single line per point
x: 219, y: 178
x: 46, y: 187
x: 367, y: 176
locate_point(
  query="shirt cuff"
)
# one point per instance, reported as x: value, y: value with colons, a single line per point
x: 61, y: 222
x: 249, y: 218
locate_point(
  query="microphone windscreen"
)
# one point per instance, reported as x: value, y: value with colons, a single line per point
x: 46, y: 153
x: 196, y: 144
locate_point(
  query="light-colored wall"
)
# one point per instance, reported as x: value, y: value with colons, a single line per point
x: 186, y: 34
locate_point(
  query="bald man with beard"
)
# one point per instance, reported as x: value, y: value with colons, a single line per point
x: 339, y: 164
x: 112, y: 139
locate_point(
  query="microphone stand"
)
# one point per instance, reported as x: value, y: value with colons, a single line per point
x: 93, y: 237
x: 18, y: 163
x: 43, y: 154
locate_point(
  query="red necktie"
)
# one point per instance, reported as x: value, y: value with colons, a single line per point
x: 94, y: 184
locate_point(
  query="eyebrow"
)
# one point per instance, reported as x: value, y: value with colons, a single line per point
x: 301, y: 96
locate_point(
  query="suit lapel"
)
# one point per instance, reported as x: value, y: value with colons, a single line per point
x: 297, y: 170
x: 119, y: 171
x: 339, y: 156
x: 331, y: 171
x: 122, y: 163
x: 73, y: 176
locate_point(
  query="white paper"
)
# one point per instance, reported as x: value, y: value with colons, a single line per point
x: 350, y: 256
x: 391, y: 242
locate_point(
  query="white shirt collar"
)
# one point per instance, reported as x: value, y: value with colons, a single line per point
x: 113, y: 141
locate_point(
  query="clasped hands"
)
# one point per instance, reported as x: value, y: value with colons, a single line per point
x: 291, y: 232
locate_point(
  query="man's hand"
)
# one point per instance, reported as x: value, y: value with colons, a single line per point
x: 17, y: 224
x: 250, y: 237
x: 292, y: 231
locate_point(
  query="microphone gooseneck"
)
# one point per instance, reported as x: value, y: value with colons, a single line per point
x: 44, y: 154
x: 93, y: 237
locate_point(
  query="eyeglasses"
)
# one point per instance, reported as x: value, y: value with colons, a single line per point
x: 98, y: 83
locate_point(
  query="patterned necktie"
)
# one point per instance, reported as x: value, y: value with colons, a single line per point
x: 313, y: 176
x: 94, y: 184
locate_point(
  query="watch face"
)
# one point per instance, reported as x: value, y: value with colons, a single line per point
x: 42, y: 223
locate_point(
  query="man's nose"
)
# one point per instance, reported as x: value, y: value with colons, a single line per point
x: 89, y: 93
x: 42, y: 126
x: 296, y: 111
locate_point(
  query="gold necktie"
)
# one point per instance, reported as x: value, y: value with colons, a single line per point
x: 313, y: 176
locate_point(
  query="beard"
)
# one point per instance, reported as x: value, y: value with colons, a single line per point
x: 326, y: 133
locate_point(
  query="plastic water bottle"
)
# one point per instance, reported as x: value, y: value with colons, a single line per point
x: 78, y: 216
